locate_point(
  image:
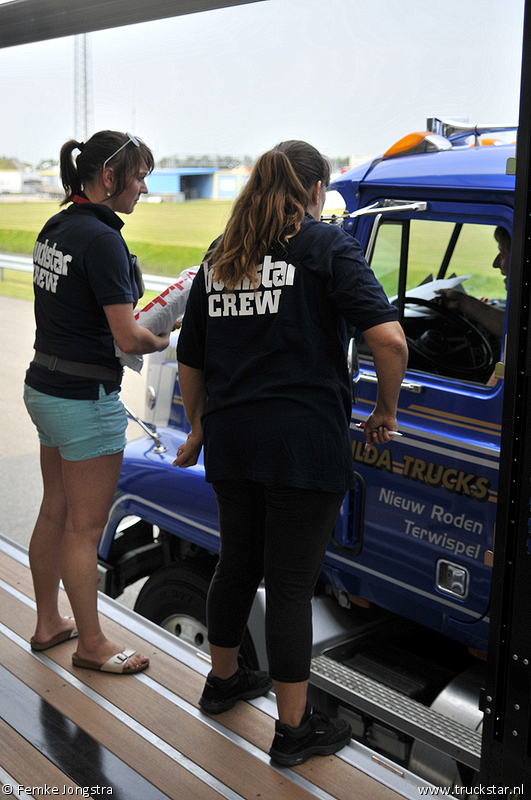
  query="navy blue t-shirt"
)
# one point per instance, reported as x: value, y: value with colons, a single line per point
x: 81, y: 263
x: 274, y: 362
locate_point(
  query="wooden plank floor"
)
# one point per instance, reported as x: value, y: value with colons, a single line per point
x: 143, y: 736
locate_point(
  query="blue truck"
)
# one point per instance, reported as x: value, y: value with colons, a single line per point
x: 401, y: 611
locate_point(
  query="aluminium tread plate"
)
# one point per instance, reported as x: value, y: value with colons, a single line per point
x: 397, y: 710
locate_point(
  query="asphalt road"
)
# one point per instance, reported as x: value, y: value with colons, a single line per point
x: 20, y: 479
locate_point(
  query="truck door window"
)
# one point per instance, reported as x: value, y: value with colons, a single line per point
x: 474, y: 254
x: 415, y: 259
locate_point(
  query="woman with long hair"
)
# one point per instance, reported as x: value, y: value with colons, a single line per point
x: 263, y: 374
x: 86, y: 286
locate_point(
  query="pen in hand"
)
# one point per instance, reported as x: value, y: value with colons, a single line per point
x: 361, y: 425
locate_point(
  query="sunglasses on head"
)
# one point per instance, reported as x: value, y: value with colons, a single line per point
x: 131, y: 138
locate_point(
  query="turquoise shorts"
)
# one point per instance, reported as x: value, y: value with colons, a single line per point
x: 81, y: 429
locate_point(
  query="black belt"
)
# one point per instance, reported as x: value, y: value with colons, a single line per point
x: 93, y: 371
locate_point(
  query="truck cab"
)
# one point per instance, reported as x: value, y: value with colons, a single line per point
x: 421, y: 523
x: 401, y: 613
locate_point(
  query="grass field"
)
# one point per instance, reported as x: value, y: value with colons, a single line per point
x: 166, y: 237
x: 474, y: 253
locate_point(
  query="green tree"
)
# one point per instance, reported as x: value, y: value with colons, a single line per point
x: 7, y: 164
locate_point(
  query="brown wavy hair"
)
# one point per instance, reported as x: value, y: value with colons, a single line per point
x: 75, y: 175
x: 274, y: 198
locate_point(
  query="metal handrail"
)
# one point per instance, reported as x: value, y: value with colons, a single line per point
x: 154, y: 283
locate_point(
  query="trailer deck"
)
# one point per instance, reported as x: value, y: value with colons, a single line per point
x: 65, y: 730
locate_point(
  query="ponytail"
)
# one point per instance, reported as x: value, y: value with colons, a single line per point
x: 274, y: 198
x: 69, y: 174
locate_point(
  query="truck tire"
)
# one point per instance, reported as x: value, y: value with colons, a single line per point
x: 175, y: 598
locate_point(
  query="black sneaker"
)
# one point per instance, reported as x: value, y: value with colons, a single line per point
x: 316, y: 735
x: 220, y: 695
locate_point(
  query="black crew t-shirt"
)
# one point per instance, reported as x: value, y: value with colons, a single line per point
x: 274, y: 362
x: 81, y: 264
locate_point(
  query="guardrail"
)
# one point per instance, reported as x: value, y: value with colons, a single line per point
x: 20, y: 263
x: 155, y: 283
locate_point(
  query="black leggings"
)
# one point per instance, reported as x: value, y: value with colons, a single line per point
x: 279, y: 533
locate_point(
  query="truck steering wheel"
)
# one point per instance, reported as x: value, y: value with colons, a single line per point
x: 451, y: 339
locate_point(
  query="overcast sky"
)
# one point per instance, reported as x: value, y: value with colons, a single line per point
x: 349, y: 76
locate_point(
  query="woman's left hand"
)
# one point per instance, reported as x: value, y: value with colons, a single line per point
x: 188, y: 452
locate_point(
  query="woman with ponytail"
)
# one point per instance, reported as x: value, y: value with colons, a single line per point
x: 86, y: 285
x: 264, y: 379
